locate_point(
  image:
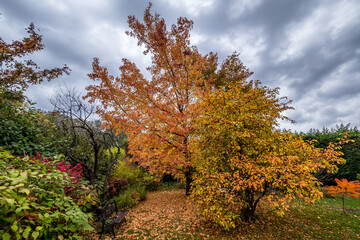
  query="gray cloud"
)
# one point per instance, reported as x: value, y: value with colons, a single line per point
x: 310, y: 49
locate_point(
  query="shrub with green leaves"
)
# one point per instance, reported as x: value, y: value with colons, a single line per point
x: 130, y: 197
x: 139, y: 182
x: 134, y: 174
x: 124, y: 170
x: 24, y: 129
x: 125, y: 200
x: 141, y: 192
x: 33, y: 203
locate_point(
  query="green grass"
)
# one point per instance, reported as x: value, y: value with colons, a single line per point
x: 326, y: 219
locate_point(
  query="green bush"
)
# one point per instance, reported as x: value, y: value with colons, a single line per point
x: 141, y: 192
x: 135, y: 175
x: 131, y: 196
x: 24, y: 129
x: 125, y: 170
x: 125, y: 200
x: 149, y: 183
x: 33, y: 203
x: 139, y: 182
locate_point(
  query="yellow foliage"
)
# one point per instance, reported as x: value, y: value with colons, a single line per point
x: 241, y: 157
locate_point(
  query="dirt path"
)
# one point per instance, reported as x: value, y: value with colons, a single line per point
x: 163, y: 215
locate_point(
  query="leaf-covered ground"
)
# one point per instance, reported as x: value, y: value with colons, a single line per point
x: 170, y: 215
x: 163, y: 215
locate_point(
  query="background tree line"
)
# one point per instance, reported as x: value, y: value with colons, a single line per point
x: 351, y: 169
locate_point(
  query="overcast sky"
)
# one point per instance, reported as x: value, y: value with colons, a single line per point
x: 310, y: 49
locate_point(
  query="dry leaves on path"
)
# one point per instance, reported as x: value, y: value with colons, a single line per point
x: 163, y: 215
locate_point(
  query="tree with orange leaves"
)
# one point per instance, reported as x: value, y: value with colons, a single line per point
x: 345, y: 188
x: 157, y: 114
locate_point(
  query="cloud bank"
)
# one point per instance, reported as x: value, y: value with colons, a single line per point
x: 309, y: 49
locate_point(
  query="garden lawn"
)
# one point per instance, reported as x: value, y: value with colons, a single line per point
x: 170, y: 215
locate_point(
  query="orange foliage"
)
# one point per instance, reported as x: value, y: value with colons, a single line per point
x: 345, y: 187
x: 156, y: 114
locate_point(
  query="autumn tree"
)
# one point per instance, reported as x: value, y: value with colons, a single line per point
x: 240, y: 156
x: 157, y: 113
x: 345, y: 188
x: 15, y: 73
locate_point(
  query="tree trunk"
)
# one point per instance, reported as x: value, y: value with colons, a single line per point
x: 247, y: 214
x: 96, y: 149
x: 189, y: 171
x: 126, y: 150
x: 188, y: 177
x: 92, y: 178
